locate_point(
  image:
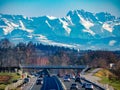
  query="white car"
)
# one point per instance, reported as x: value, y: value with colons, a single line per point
x: 66, y: 79
x: 89, y: 86
x: 39, y: 81
x: 72, y: 77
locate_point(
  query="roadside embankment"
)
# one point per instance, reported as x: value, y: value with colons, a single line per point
x: 106, y: 77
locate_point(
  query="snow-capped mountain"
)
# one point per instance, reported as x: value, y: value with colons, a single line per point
x: 78, y: 29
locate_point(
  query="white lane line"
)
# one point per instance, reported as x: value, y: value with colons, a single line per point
x: 32, y: 84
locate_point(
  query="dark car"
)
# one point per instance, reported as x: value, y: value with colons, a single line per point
x: 83, y: 85
x: 74, y: 87
x: 78, y: 80
x: 26, y: 80
x: 67, y: 75
x: 39, y: 81
x: 66, y: 79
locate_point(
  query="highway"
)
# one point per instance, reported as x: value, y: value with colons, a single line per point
x: 30, y: 85
x: 68, y: 84
x: 51, y: 83
x: 36, y: 87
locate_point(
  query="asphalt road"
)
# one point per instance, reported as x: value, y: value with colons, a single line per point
x: 68, y: 84
x: 29, y: 85
x: 36, y: 87
x: 51, y: 83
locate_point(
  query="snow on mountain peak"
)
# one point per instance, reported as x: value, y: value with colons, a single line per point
x: 108, y: 27
x: 51, y: 17
x: 87, y: 24
x: 24, y: 17
x: 85, y: 29
x: 10, y: 26
x: 24, y: 28
x: 65, y: 26
x: 49, y: 24
x: 89, y: 31
x: 7, y: 29
x: 22, y: 25
x: 70, y: 20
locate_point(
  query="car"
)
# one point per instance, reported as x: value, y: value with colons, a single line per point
x: 36, y: 75
x: 78, y: 80
x: 74, y: 86
x: 41, y: 76
x: 89, y: 86
x: 66, y: 79
x: 26, y: 80
x: 72, y: 77
x: 83, y: 85
x: 39, y: 81
x: 67, y: 75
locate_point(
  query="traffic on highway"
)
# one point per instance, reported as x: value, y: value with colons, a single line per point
x: 44, y: 81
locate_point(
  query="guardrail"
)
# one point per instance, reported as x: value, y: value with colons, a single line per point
x: 85, y: 69
x: 14, y: 85
x: 61, y: 85
x: 95, y: 84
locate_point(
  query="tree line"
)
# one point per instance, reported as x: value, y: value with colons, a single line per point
x: 12, y: 55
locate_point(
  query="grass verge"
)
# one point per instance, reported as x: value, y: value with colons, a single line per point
x: 108, y: 78
x: 7, y: 78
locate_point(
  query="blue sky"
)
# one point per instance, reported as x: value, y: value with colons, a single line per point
x: 57, y: 8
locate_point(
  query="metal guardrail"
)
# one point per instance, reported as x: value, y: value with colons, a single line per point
x: 100, y: 87
x: 85, y: 69
x: 95, y: 84
x: 61, y: 85
x: 83, y: 72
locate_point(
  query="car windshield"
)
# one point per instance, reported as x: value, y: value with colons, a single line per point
x: 89, y: 85
x: 65, y: 77
x: 39, y: 80
x: 74, y: 84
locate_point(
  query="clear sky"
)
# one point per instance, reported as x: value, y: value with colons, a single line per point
x: 57, y: 8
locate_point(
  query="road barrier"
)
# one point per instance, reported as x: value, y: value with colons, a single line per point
x: 85, y: 69
x: 95, y: 84
x: 61, y: 85
x: 14, y: 85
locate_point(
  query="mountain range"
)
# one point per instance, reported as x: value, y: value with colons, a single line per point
x: 78, y: 29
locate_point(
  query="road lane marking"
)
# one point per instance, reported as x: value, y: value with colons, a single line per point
x: 32, y: 84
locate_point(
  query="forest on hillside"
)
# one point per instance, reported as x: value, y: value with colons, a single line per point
x: 12, y: 55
